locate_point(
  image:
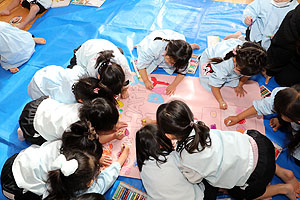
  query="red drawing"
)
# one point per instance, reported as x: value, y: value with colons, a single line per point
x: 155, y: 82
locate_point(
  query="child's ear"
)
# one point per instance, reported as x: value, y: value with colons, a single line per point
x: 98, y: 76
x: 298, y: 122
x: 80, y: 100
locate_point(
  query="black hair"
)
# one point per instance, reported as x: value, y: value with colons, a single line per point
x: 177, y: 119
x: 89, y: 88
x: 80, y: 136
x: 65, y: 187
x: 287, y: 103
x: 180, y: 51
x: 90, y: 196
x: 111, y: 74
x: 102, y: 114
x: 251, y: 58
x: 151, y: 144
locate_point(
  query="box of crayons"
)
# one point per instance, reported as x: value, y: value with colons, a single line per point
x: 125, y: 191
x: 193, y: 65
x: 264, y: 92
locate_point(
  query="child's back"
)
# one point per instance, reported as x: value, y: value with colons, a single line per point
x: 228, y: 162
x: 165, y: 181
x: 17, y: 46
x: 223, y: 71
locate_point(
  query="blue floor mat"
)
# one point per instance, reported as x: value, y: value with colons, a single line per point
x: 125, y: 23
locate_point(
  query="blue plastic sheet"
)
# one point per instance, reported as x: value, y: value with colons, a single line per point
x: 125, y: 23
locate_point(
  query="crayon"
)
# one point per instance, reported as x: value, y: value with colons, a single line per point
x: 121, y: 193
x: 127, y: 194
x: 117, y: 191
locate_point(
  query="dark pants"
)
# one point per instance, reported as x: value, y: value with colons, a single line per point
x: 26, y: 122
x: 9, y: 185
x: 260, y: 177
x: 26, y: 4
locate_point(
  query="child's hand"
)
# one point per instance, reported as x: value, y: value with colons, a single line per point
x: 147, y: 120
x: 231, y: 120
x: 223, y: 105
x: 248, y: 20
x: 105, y: 160
x: 121, y: 125
x: 125, y: 152
x: 120, y: 134
x: 239, y: 90
x: 274, y: 123
x: 170, y: 89
x: 148, y: 85
x: 124, y: 94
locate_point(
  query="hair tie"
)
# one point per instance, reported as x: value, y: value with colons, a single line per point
x: 234, y: 51
x: 93, y: 135
x: 67, y: 167
x: 96, y: 90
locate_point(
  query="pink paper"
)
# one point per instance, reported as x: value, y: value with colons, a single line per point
x: 143, y: 103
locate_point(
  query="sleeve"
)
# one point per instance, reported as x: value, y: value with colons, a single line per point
x: 252, y: 10
x: 105, y: 179
x: 145, y: 58
x: 265, y: 106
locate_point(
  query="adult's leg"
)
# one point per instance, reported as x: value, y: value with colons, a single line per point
x: 34, y: 9
x: 288, y: 76
x: 13, y: 4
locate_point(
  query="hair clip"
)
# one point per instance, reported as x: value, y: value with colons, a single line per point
x: 234, y: 51
x: 96, y: 90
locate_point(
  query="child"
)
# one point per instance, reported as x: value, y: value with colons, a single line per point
x: 45, y: 119
x: 242, y: 163
x: 158, y: 166
x: 166, y: 49
x: 17, y: 46
x: 264, y: 18
x: 34, y: 6
x: 230, y: 63
x: 286, y: 103
x: 67, y: 85
x: 99, y: 57
x: 62, y: 173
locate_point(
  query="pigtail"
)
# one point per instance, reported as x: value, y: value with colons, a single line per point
x: 71, y: 172
x: 80, y: 136
x: 102, y: 114
x: 176, y: 118
x: 217, y: 60
x: 162, y: 39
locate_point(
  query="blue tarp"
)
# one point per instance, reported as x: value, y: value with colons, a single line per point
x: 125, y: 23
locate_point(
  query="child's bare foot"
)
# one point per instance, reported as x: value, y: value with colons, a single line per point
x: 4, y: 12
x: 291, y: 179
x: 195, y: 46
x: 289, y: 192
x: 39, y: 40
x: 235, y: 35
x: 14, y: 70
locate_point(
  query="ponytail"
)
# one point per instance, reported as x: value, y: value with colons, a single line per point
x: 176, y: 118
x: 162, y: 39
x: 63, y: 186
x: 217, y: 60
x: 79, y: 137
